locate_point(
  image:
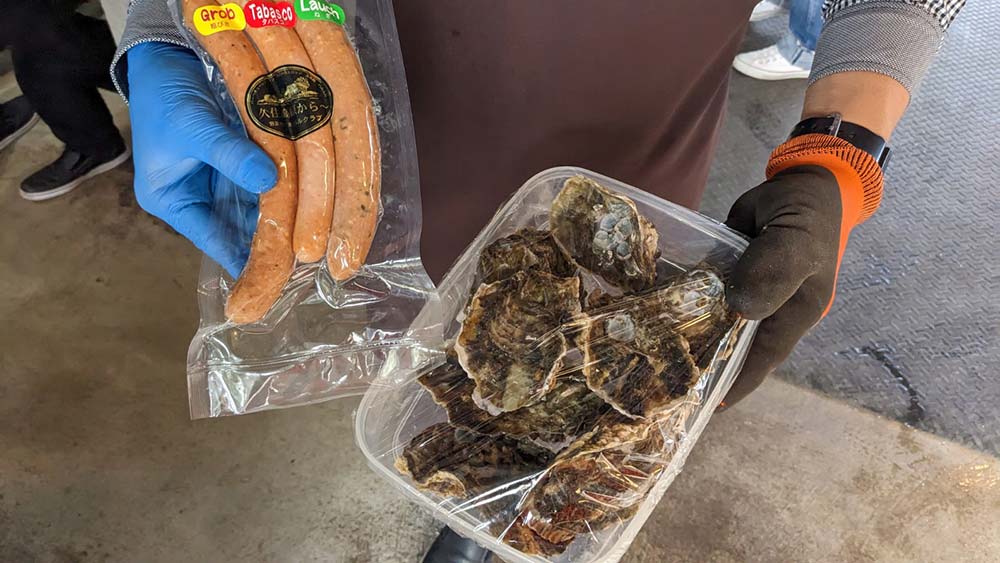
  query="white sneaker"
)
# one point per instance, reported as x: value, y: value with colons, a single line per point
x: 771, y: 64
x: 766, y: 9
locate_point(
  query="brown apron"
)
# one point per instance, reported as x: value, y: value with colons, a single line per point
x: 502, y: 89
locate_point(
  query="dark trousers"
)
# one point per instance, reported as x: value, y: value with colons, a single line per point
x: 60, y: 60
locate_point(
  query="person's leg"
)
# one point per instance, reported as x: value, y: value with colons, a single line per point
x: 17, y: 117
x: 59, y: 62
x: 805, y: 20
x: 61, y: 58
x: 792, y: 56
x: 115, y: 11
x: 766, y: 9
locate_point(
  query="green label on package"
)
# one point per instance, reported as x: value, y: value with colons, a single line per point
x: 320, y: 10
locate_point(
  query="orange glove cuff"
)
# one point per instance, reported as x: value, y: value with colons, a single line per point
x: 857, y: 173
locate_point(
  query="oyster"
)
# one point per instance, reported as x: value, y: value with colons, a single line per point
x: 640, y: 374
x: 566, y: 412
x: 511, y: 344
x: 599, y: 481
x: 693, y: 302
x: 610, y: 431
x: 694, y: 306
x: 604, y: 233
x: 521, y: 537
x: 633, y: 355
x: 526, y: 249
x: 455, y: 462
x: 643, y: 352
x: 714, y: 348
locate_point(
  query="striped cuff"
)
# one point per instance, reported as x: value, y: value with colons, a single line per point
x: 887, y: 37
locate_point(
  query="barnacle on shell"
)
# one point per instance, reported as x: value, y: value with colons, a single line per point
x: 605, y: 233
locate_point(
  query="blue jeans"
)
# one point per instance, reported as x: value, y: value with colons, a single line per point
x: 805, y: 19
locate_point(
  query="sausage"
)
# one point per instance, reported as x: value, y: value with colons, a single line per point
x: 355, y: 135
x: 281, y: 46
x: 271, y: 256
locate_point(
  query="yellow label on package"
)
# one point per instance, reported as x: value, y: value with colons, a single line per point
x: 213, y: 19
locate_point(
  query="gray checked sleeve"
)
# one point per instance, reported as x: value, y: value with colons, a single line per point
x: 897, y: 38
x: 148, y: 20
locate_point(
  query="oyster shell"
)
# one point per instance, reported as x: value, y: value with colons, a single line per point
x: 640, y: 374
x: 455, y: 462
x: 521, y: 537
x: 636, y: 353
x: 694, y: 306
x: 605, y: 233
x: 598, y: 481
x: 642, y: 352
x: 611, y: 431
x: 511, y: 344
x: 693, y: 302
x: 526, y: 249
x: 568, y: 410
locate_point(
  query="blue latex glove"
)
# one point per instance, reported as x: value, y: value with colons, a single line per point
x: 179, y: 140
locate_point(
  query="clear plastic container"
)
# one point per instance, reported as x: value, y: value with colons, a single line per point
x: 396, y: 408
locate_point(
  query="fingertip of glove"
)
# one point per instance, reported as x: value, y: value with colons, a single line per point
x: 742, y: 300
x: 258, y: 173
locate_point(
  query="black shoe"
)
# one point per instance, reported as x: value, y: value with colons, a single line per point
x: 450, y: 547
x: 17, y: 117
x: 69, y: 171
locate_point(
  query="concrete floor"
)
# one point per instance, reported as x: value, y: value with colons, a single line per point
x: 102, y: 464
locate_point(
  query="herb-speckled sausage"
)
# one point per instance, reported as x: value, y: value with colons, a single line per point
x: 355, y: 133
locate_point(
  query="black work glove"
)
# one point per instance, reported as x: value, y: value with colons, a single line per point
x: 787, y: 275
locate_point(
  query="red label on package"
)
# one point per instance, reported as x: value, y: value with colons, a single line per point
x: 261, y: 13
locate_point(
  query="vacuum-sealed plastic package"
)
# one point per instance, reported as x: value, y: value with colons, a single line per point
x: 586, y: 342
x: 333, y: 278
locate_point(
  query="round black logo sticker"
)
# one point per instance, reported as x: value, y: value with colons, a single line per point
x: 290, y: 101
